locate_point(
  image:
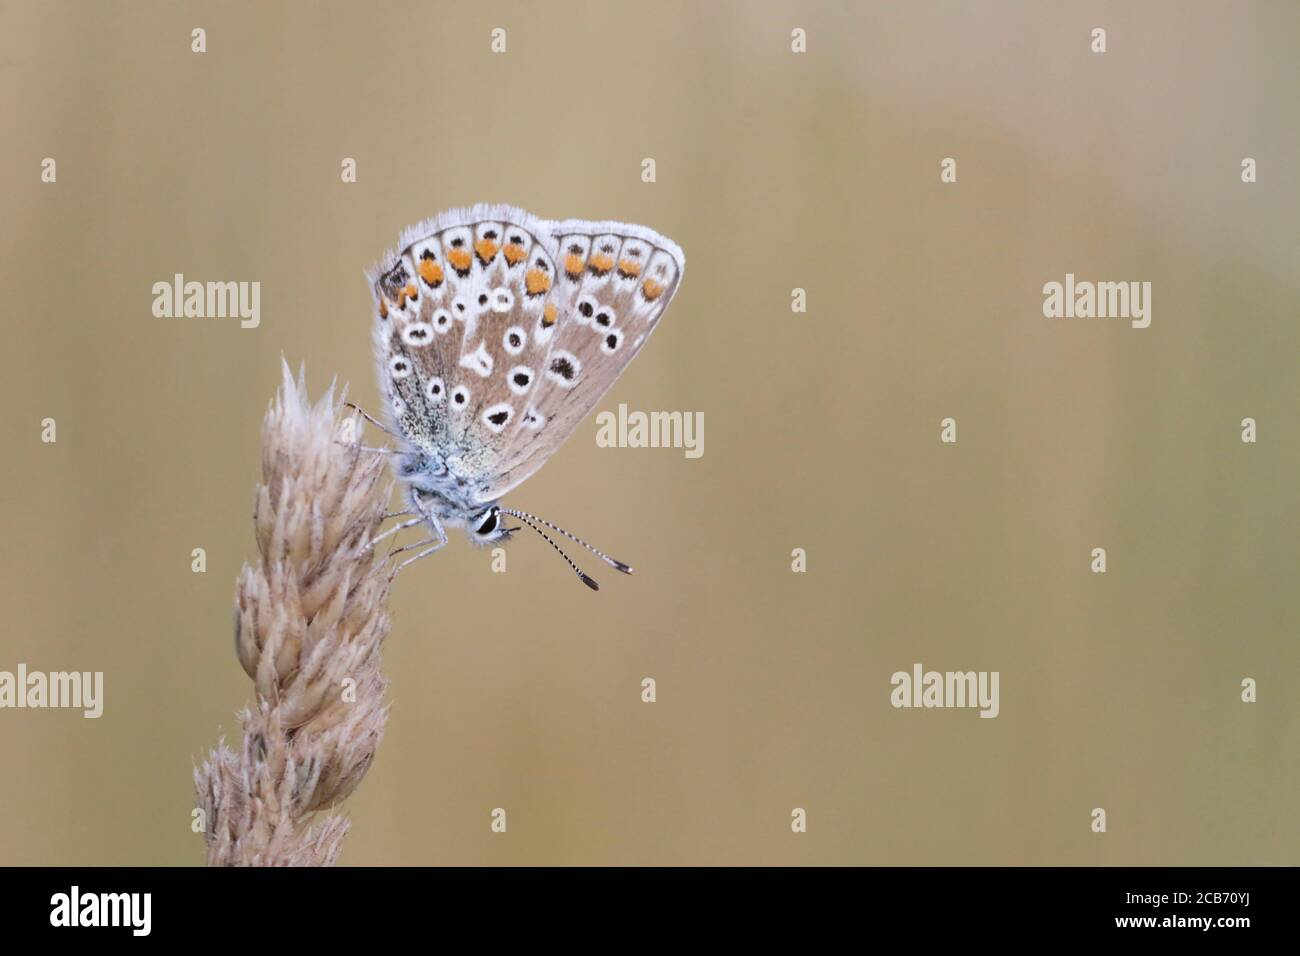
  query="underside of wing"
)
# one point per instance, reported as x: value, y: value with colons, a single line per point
x: 496, y: 333
x: 612, y: 285
x: 453, y: 335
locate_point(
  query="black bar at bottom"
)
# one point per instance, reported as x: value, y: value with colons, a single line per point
x: 928, y: 905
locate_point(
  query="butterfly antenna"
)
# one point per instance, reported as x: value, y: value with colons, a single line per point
x: 589, y: 581
x: 612, y: 562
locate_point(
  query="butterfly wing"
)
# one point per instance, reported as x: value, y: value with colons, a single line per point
x: 453, y: 339
x: 613, y: 284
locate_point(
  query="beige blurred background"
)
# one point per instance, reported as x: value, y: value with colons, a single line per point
x: 775, y: 171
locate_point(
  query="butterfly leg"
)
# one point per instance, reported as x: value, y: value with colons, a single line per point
x: 423, y: 554
x: 366, y: 415
x: 383, y: 563
x: 373, y: 451
x: 437, y: 541
x: 401, y: 526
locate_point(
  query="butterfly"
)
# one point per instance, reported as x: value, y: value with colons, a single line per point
x: 495, y: 333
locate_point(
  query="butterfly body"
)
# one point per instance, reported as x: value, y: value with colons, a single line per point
x: 434, y: 490
x: 495, y: 333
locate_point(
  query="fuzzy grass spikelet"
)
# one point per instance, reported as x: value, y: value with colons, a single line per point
x: 309, y: 621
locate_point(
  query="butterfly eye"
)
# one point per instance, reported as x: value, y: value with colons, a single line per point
x: 489, y: 522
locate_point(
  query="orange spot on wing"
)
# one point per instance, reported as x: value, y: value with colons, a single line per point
x: 486, y: 249
x: 459, y: 259
x: 401, y: 300
x: 629, y: 268
x: 537, y: 282
x: 431, y: 272
x: 513, y: 253
x: 548, y: 315
x: 573, y: 265
x: 651, y: 290
x: 383, y: 308
x: 600, y: 263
